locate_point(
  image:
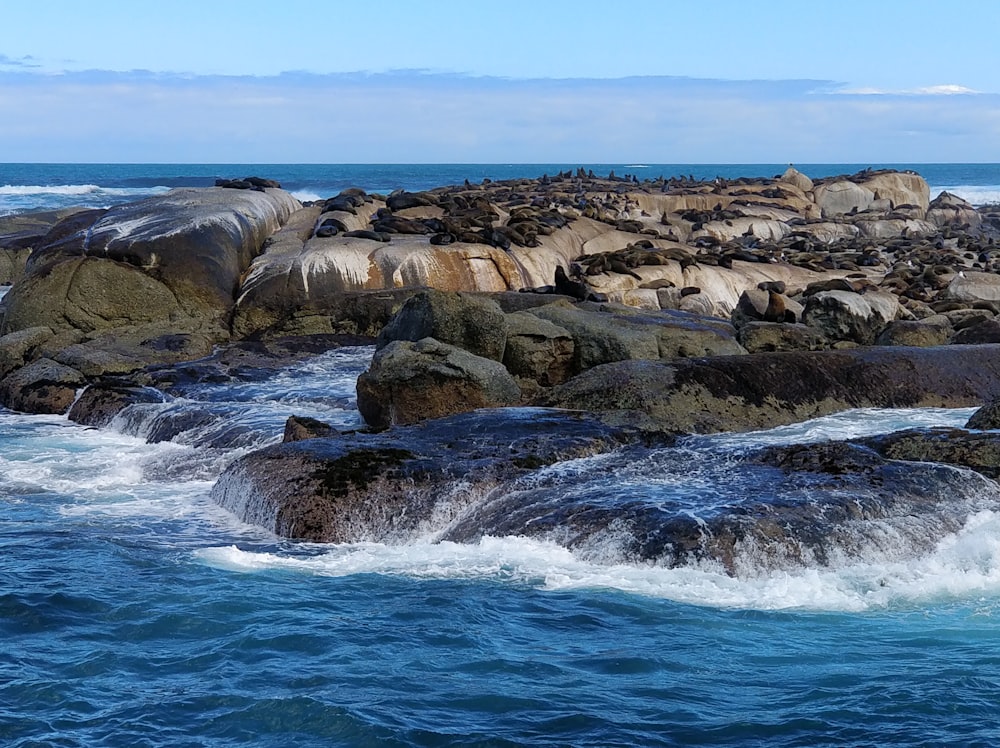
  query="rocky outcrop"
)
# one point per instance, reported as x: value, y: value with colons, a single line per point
x: 850, y: 316
x: 742, y: 393
x: 43, y: 386
x: 604, y: 332
x: 814, y: 504
x: 170, y: 264
x: 402, y: 483
x: 473, y: 323
x: 19, y: 234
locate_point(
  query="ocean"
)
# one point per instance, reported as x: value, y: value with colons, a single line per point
x: 135, y: 612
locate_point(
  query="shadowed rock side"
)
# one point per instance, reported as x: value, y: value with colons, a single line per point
x: 111, y: 291
x: 757, y: 391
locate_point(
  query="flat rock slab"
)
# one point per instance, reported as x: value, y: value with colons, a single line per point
x: 757, y: 391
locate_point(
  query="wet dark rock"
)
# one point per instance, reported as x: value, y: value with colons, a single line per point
x: 99, y: 403
x: 987, y: 331
x: 976, y: 451
x: 298, y: 428
x: 43, y: 386
x: 397, y: 484
x: 740, y: 393
x: 987, y: 417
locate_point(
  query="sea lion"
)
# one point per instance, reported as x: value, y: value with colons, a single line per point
x: 569, y: 287
x: 365, y: 234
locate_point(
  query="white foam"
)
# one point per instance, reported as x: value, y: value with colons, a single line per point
x: 77, y: 189
x: 848, y: 424
x: 963, y: 565
x: 306, y: 196
x: 976, y: 194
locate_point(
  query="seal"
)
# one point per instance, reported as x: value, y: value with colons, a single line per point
x: 568, y: 287
x: 376, y: 236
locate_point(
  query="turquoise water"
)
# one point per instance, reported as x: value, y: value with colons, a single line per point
x: 134, y: 612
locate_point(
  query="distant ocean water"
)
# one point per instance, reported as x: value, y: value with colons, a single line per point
x: 35, y: 186
x: 134, y: 612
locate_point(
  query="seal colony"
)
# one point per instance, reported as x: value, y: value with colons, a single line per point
x: 655, y: 307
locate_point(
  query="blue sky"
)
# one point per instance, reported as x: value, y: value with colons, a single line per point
x: 512, y: 81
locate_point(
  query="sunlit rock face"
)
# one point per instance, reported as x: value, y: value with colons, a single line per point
x: 174, y: 260
x: 624, y: 239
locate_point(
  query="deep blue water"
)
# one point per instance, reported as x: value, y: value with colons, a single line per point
x: 134, y: 612
x: 28, y: 186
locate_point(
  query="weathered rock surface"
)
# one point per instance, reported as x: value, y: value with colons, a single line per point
x: 979, y: 452
x: 409, y: 382
x: 173, y: 261
x: 465, y: 477
x: 843, y: 315
x: 42, y: 386
x: 473, y: 323
x: 764, y: 337
x: 741, y: 393
x: 604, y: 332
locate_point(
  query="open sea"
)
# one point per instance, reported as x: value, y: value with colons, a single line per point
x: 135, y: 612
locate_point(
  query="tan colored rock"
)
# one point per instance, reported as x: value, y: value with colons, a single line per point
x: 972, y: 286
x: 888, y: 228
x: 842, y: 197
x: 951, y: 210
x: 797, y: 179
x: 900, y: 188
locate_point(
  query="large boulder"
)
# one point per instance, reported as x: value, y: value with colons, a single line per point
x: 816, y: 504
x: 796, y: 178
x: 174, y: 261
x: 972, y: 286
x: 840, y: 197
x: 16, y: 348
x: 918, y: 333
x: 473, y: 323
x: 409, y: 382
x: 538, y: 350
x: 850, y: 316
x: 605, y: 332
x: 951, y: 210
x: 43, y: 386
x: 762, y: 337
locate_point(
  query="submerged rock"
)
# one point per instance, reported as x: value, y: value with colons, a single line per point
x: 401, y: 483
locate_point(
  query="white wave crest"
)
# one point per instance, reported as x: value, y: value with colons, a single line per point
x: 963, y: 565
x: 77, y: 189
x: 975, y: 194
x: 305, y: 196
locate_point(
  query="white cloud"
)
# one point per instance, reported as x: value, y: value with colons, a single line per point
x: 947, y: 89
x: 408, y: 117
